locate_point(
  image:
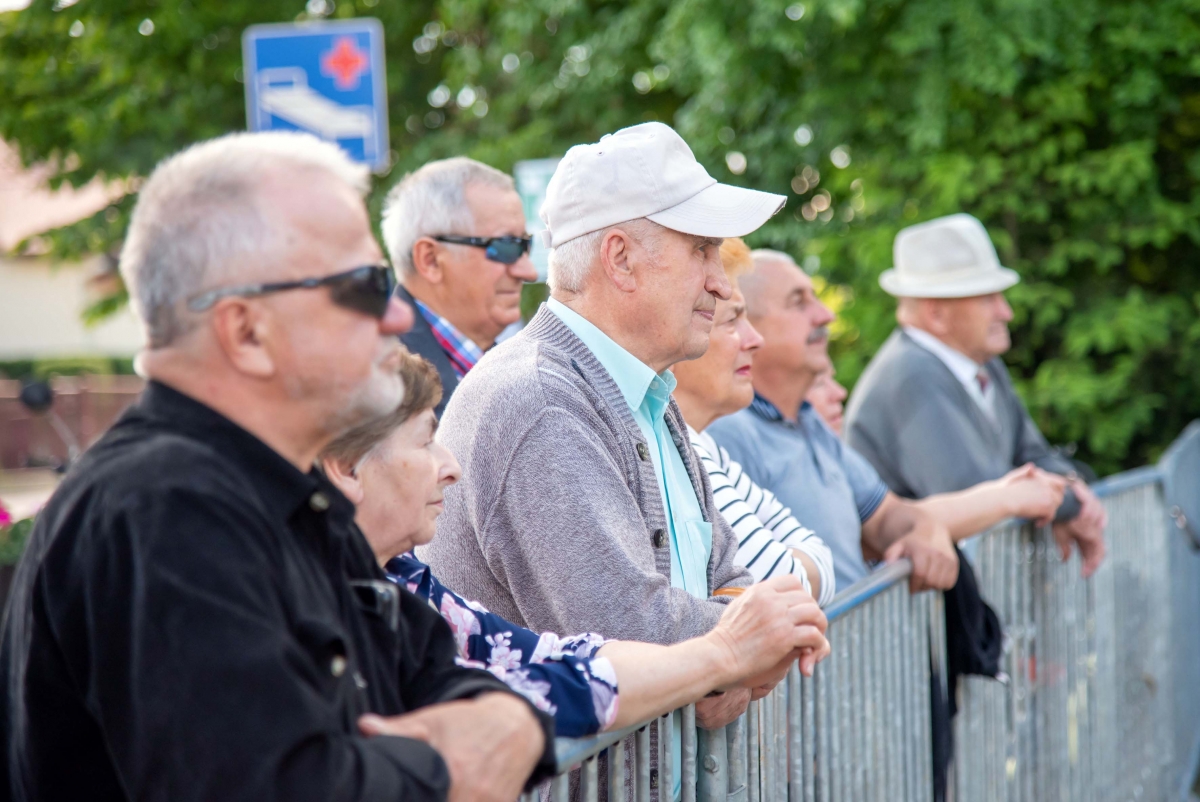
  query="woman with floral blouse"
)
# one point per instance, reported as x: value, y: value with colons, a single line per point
x: 395, y: 472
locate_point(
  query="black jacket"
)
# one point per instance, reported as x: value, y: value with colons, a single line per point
x: 195, y: 619
x: 421, y: 341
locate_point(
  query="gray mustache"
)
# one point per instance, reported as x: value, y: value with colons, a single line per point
x: 818, y: 334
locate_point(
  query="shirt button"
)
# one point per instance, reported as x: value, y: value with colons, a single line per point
x: 337, y: 666
x: 660, y: 538
x: 318, y: 501
x: 643, y: 452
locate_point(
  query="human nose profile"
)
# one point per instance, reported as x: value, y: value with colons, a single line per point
x: 450, y: 471
x: 1005, y: 311
x: 825, y: 315
x: 751, y: 339
x: 398, y: 319
x: 523, y: 269
x: 718, y: 283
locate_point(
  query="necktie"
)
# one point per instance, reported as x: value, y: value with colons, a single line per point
x: 982, y: 378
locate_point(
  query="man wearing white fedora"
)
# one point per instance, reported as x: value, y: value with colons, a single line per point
x: 935, y: 411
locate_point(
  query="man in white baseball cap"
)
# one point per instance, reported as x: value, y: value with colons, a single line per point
x: 583, y: 506
x: 935, y: 411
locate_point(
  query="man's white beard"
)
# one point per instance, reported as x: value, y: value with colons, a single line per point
x: 380, y: 395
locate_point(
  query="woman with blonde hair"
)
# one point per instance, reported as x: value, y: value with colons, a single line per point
x: 771, y: 542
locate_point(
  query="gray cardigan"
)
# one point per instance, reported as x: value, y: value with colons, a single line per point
x: 558, y: 523
x: 913, y: 420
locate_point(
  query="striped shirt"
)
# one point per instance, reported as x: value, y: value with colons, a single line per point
x: 461, y: 349
x: 829, y: 485
x: 766, y: 530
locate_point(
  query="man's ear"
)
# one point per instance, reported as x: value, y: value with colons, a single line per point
x: 427, y: 260
x: 935, y: 315
x: 344, y: 479
x: 616, y: 259
x: 242, y: 329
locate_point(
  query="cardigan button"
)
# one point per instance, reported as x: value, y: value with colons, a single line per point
x: 660, y: 538
x: 643, y: 452
x: 318, y: 501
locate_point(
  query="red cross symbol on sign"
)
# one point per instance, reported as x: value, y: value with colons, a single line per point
x: 345, y: 62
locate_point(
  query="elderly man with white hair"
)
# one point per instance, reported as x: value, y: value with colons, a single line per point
x: 455, y: 230
x: 196, y: 617
x: 583, y: 506
x: 935, y: 411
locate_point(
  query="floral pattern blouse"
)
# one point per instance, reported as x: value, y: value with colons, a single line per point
x: 561, y: 676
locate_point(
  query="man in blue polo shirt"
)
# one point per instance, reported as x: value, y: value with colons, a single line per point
x: 782, y: 443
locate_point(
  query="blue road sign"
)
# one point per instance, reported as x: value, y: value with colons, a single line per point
x: 326, y: 78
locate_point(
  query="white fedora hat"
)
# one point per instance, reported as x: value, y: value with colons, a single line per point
x: 648, y: 171
x: 950, y: 257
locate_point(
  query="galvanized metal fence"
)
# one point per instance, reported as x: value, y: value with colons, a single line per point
x: 1101, y: 700
x: 858, y: 729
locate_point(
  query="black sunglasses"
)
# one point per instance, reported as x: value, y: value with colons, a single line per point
x: 505, y: 250
x: 364, y: 289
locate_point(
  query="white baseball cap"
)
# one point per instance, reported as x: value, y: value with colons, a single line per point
x: 949, y: 257
x: 646, y: 170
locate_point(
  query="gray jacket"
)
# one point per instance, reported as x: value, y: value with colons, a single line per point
x: 913, y: 420
x: 558, y: 523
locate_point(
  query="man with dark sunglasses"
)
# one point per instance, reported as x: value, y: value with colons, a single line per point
x: 455, y: 230
x: 196, y: 616
x: 367, y: 289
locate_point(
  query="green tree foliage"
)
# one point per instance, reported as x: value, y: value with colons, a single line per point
x: 1069, y: 126
x: 12, y: 540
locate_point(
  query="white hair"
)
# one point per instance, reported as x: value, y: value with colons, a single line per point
x: 201, y: 213
x: 431, y: 201
x: 752, y: 283
x: 572, y: 260
x: 765, y: 254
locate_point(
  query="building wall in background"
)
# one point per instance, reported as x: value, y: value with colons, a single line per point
x: 41, y: 306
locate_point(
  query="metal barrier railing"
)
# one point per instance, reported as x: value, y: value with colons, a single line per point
x: 858, y: 729
x: 1094, y: 707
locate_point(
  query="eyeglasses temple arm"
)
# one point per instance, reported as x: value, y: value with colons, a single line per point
x: 205, y: 300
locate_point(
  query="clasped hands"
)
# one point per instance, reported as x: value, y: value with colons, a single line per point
x: 1037, y: 495
x: 763, y: 631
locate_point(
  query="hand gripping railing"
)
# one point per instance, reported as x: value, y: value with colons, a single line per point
x: 858, y: 729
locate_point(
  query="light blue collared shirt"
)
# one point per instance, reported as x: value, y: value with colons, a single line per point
x: 647, y: 395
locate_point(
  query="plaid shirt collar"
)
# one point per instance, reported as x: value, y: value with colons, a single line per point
x: 463, y: 353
